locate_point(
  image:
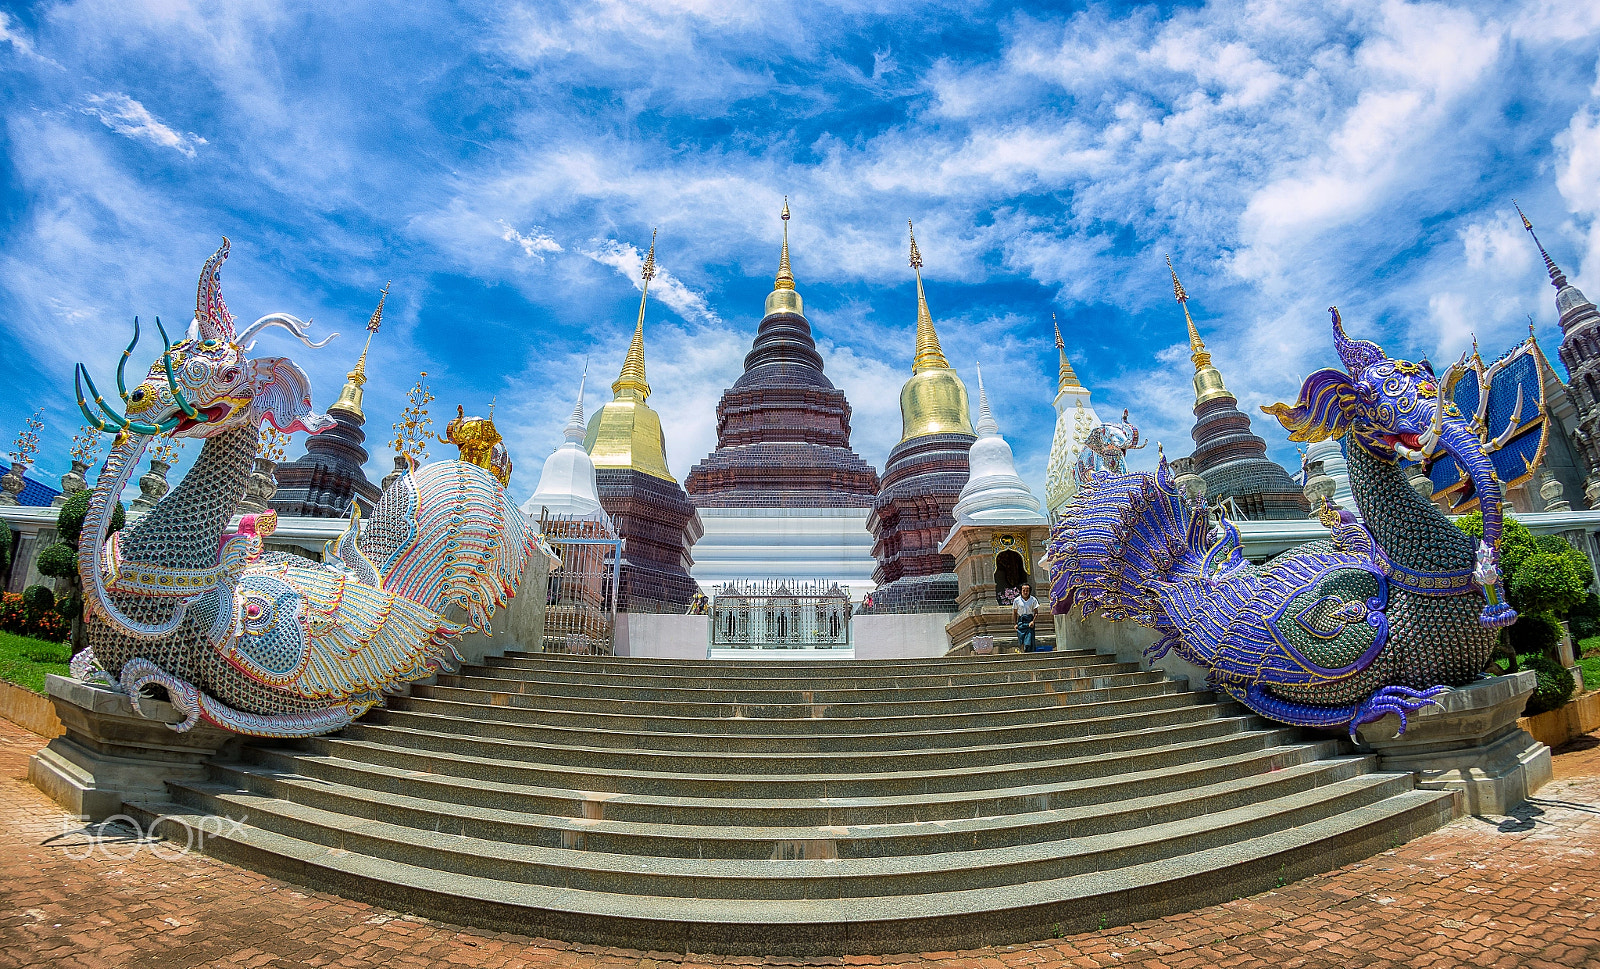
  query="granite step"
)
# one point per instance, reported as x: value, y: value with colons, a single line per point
x: 713, y: 837
x: 793, y: 871
x: 1169, y: 781
x: 726, y: 718
x: 778, y: 692
x: 463, y: 761
x: 525, y: 725
x: 822, y: 807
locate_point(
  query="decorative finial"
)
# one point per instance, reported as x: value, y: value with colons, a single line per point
x: 575, y: 425
x: 1197, y: 347
x: 929, y: 355
x: 412, y: 430
x: 986, y: 422
x: 785, y: 278
x: 648, y: 272
x: 1065, y: 377
x: 27, y: 443
x: 377, y: 314
x: 1558, y: 279
x: 631, y: 383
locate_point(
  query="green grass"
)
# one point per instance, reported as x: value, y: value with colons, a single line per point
x: 25, y: 661
x: 1589, y: 662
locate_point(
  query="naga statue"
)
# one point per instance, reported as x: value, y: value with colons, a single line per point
x: 271, y: 644
x: 1382, y: 617
x: 1106, y: 448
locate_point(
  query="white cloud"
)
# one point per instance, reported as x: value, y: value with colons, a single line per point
x: 126, y: 116
x: 628, y: 261
x: 535, y: 243
x: 11, y: 33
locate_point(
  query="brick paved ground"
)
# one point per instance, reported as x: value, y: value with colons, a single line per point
x: 1487, y: 893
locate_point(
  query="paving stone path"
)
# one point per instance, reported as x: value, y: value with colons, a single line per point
x: 1486, y: 892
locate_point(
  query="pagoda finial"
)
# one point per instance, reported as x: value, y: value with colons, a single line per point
x: 575, y: 426
x: 929, y: 355
x: 986, y: 422
x: 351, y: 396
x: 1558, y: 279
x: 1197, y: 347
x: 1208, y: 383
x: 631, y: 382
x: 1065, y: 378
x: 785, y: 278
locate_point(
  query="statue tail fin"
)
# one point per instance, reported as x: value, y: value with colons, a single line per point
x: 1121, y: 536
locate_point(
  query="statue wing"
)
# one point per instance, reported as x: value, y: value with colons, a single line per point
x: 1317, y: 617
x: 353, y: 638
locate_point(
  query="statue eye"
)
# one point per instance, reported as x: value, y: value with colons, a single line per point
x: 209, y: 345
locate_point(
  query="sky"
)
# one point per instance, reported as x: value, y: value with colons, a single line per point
x: 504, y: 164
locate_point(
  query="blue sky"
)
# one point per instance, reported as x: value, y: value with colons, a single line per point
x: 504, y: 164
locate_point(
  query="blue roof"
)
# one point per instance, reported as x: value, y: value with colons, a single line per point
x: 35, y: 494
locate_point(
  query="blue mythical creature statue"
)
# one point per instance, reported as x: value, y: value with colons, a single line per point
x: 1381, y: 618
x: 259, y: 642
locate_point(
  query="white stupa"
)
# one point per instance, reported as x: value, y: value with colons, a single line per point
x: 567, y: 483
x: 994, y: 494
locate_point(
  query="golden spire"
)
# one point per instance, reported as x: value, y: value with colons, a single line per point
x: 631, y: 383
x: 1207, y: 380
x: 350, y: 398
x: 785, y: 278
x: 929, y: 356
x: 1066, y: 379
x: 783, y: 298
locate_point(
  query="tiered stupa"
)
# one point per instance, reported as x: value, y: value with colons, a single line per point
x: 568, y: 485
x: 1580, y: 352
x: 324, y: 482
x: 1228, y: 456
x: 783, y: 495
x: 655, y: 518
x: 994, y: 493
x: 997, y: 539
x: 1075, y: 418
x: 922, y: 479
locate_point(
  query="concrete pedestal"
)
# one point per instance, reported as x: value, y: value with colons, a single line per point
x: 111, y: 754
x: 1469, y: 743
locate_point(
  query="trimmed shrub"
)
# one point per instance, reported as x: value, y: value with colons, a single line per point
x: 70, y: 606
x: 1547, y: 584
x: 1584, y: 619
x: 1555, y: 686
x: 37, y: 598
x: 59, y: 561
x: 5, y: 544
x: 69, y: 522
x: 1533, y: 635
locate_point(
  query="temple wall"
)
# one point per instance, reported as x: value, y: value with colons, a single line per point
x: 661, y: 636
x: 902, y: 636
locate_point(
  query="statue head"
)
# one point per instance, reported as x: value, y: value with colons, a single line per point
x: 208, y: 383
x: 1392, y: 410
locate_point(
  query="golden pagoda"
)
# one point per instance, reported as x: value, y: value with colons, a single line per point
x: 934, y: 400
x: 626, y: 433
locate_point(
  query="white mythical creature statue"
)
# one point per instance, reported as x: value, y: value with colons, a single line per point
x: 273, y: 644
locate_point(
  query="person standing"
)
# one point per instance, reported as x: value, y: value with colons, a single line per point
x: 1023, y: 608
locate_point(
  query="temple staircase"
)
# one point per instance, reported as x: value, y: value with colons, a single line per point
x: 803, y: 808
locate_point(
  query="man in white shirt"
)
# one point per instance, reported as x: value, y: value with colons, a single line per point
x: 1022, y: 609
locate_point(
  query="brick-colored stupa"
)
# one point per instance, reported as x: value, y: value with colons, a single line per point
x: 783, y: 429
x: 324, y: 482
x: 1228, y: 456
x: 922, y: 479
